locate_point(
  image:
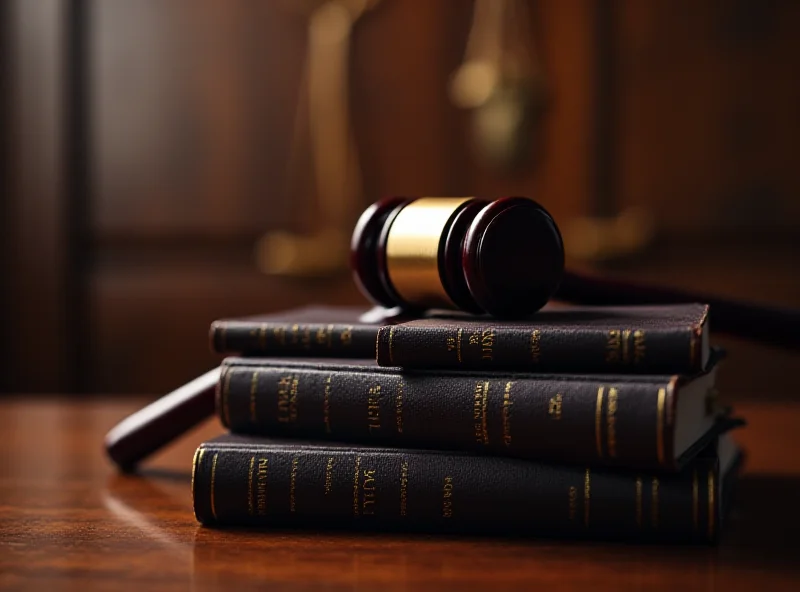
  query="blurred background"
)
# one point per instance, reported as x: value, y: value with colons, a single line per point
x: 168, y: 163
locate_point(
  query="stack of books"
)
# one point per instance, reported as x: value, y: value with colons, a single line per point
x: 598, y: 422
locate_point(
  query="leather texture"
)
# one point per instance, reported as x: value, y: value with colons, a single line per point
x: 611, y: 420
x: 633, y: 339
x: 248, y: 481
x: 317, y: 331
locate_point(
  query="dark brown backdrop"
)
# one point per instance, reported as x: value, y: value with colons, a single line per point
x: 146, y: 144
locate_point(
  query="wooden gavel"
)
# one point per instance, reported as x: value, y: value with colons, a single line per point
x: 499, y: 257
x: 505, y: 257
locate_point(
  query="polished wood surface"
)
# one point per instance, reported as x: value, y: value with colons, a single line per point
x: 69, y: 520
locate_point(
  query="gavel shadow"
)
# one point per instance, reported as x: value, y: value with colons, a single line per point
x: 762, y: 531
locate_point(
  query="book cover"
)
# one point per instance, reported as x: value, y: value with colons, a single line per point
x: 250, y: 481
x: 644, y: 421
x: 631, y: 339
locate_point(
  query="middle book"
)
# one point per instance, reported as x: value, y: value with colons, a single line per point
x: 633, y: 421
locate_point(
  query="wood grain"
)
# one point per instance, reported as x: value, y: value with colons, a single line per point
x: 70, y: 521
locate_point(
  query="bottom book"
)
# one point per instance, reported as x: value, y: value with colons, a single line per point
x: 250, y: 481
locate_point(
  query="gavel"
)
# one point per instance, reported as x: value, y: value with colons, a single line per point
x: 498, y: 257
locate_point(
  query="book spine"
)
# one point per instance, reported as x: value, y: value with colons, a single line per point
x: 627, y: 423
x: 293, y: 339
x: 625, y: 350
x: 387, y: 489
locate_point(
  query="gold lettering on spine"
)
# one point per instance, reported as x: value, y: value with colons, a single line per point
x: 326, y: 404
x: 480, y: 402
x: 484, y: 412
x: 662, y: 395
x: 213, y: 486
x: 639, y: 347
x: 587, y: 491
x: 369, y: 491
x: 293, y: 399
x: 373, y: 408
x: 613, y: 347
x: 454, y: 344
x: 487, y: 344
x: 325, y: 336
x: 329, y: 475
x: 639, y: 502
x: 346, y: 336
x: 398, y: 407
x: 292, y: 482
x: 620, y: 350
x: 507, y: 403
x: 356, y: 505
x: 598, y: 420
x: 403, y: 487
x: 283, y: 399
x: 536, y: 351
x: 710, y: 505
x: 554, y: 407
x: 321, y: 336
x: 261, y: 487
x: 695, y: 507
x: 250, y: 486
x: 654, y: 507
x: 573, y: 503
x: 611, y: 422
x: 279, y: 333
x: 287, y: 399
x: 262, y: 336
x: 391, y: 345
x: 253, y: 390
x: 447, y: 497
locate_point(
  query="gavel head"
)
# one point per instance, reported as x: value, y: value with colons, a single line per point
x: 502, y: 257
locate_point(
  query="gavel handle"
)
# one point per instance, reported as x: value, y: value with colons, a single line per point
x: 160, y: 422
x: 772, y: 325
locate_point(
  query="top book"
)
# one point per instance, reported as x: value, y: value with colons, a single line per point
x: 662, y: 339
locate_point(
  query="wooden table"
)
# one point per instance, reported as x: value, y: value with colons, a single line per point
x: 68, y: 520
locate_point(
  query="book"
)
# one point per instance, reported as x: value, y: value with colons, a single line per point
x: 640, y: 421
x: 251, y: 481
x: 629, y: 339
x: 317, y: 331
x: 669, y: 339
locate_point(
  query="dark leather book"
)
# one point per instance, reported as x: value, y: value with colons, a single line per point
x: 623, y: 420
x: 624, y: 339
x: 669, y: 339
x: 316, y: 331
x: 249, y: 481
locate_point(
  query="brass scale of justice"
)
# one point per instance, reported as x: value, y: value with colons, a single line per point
x: 501, y: 258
